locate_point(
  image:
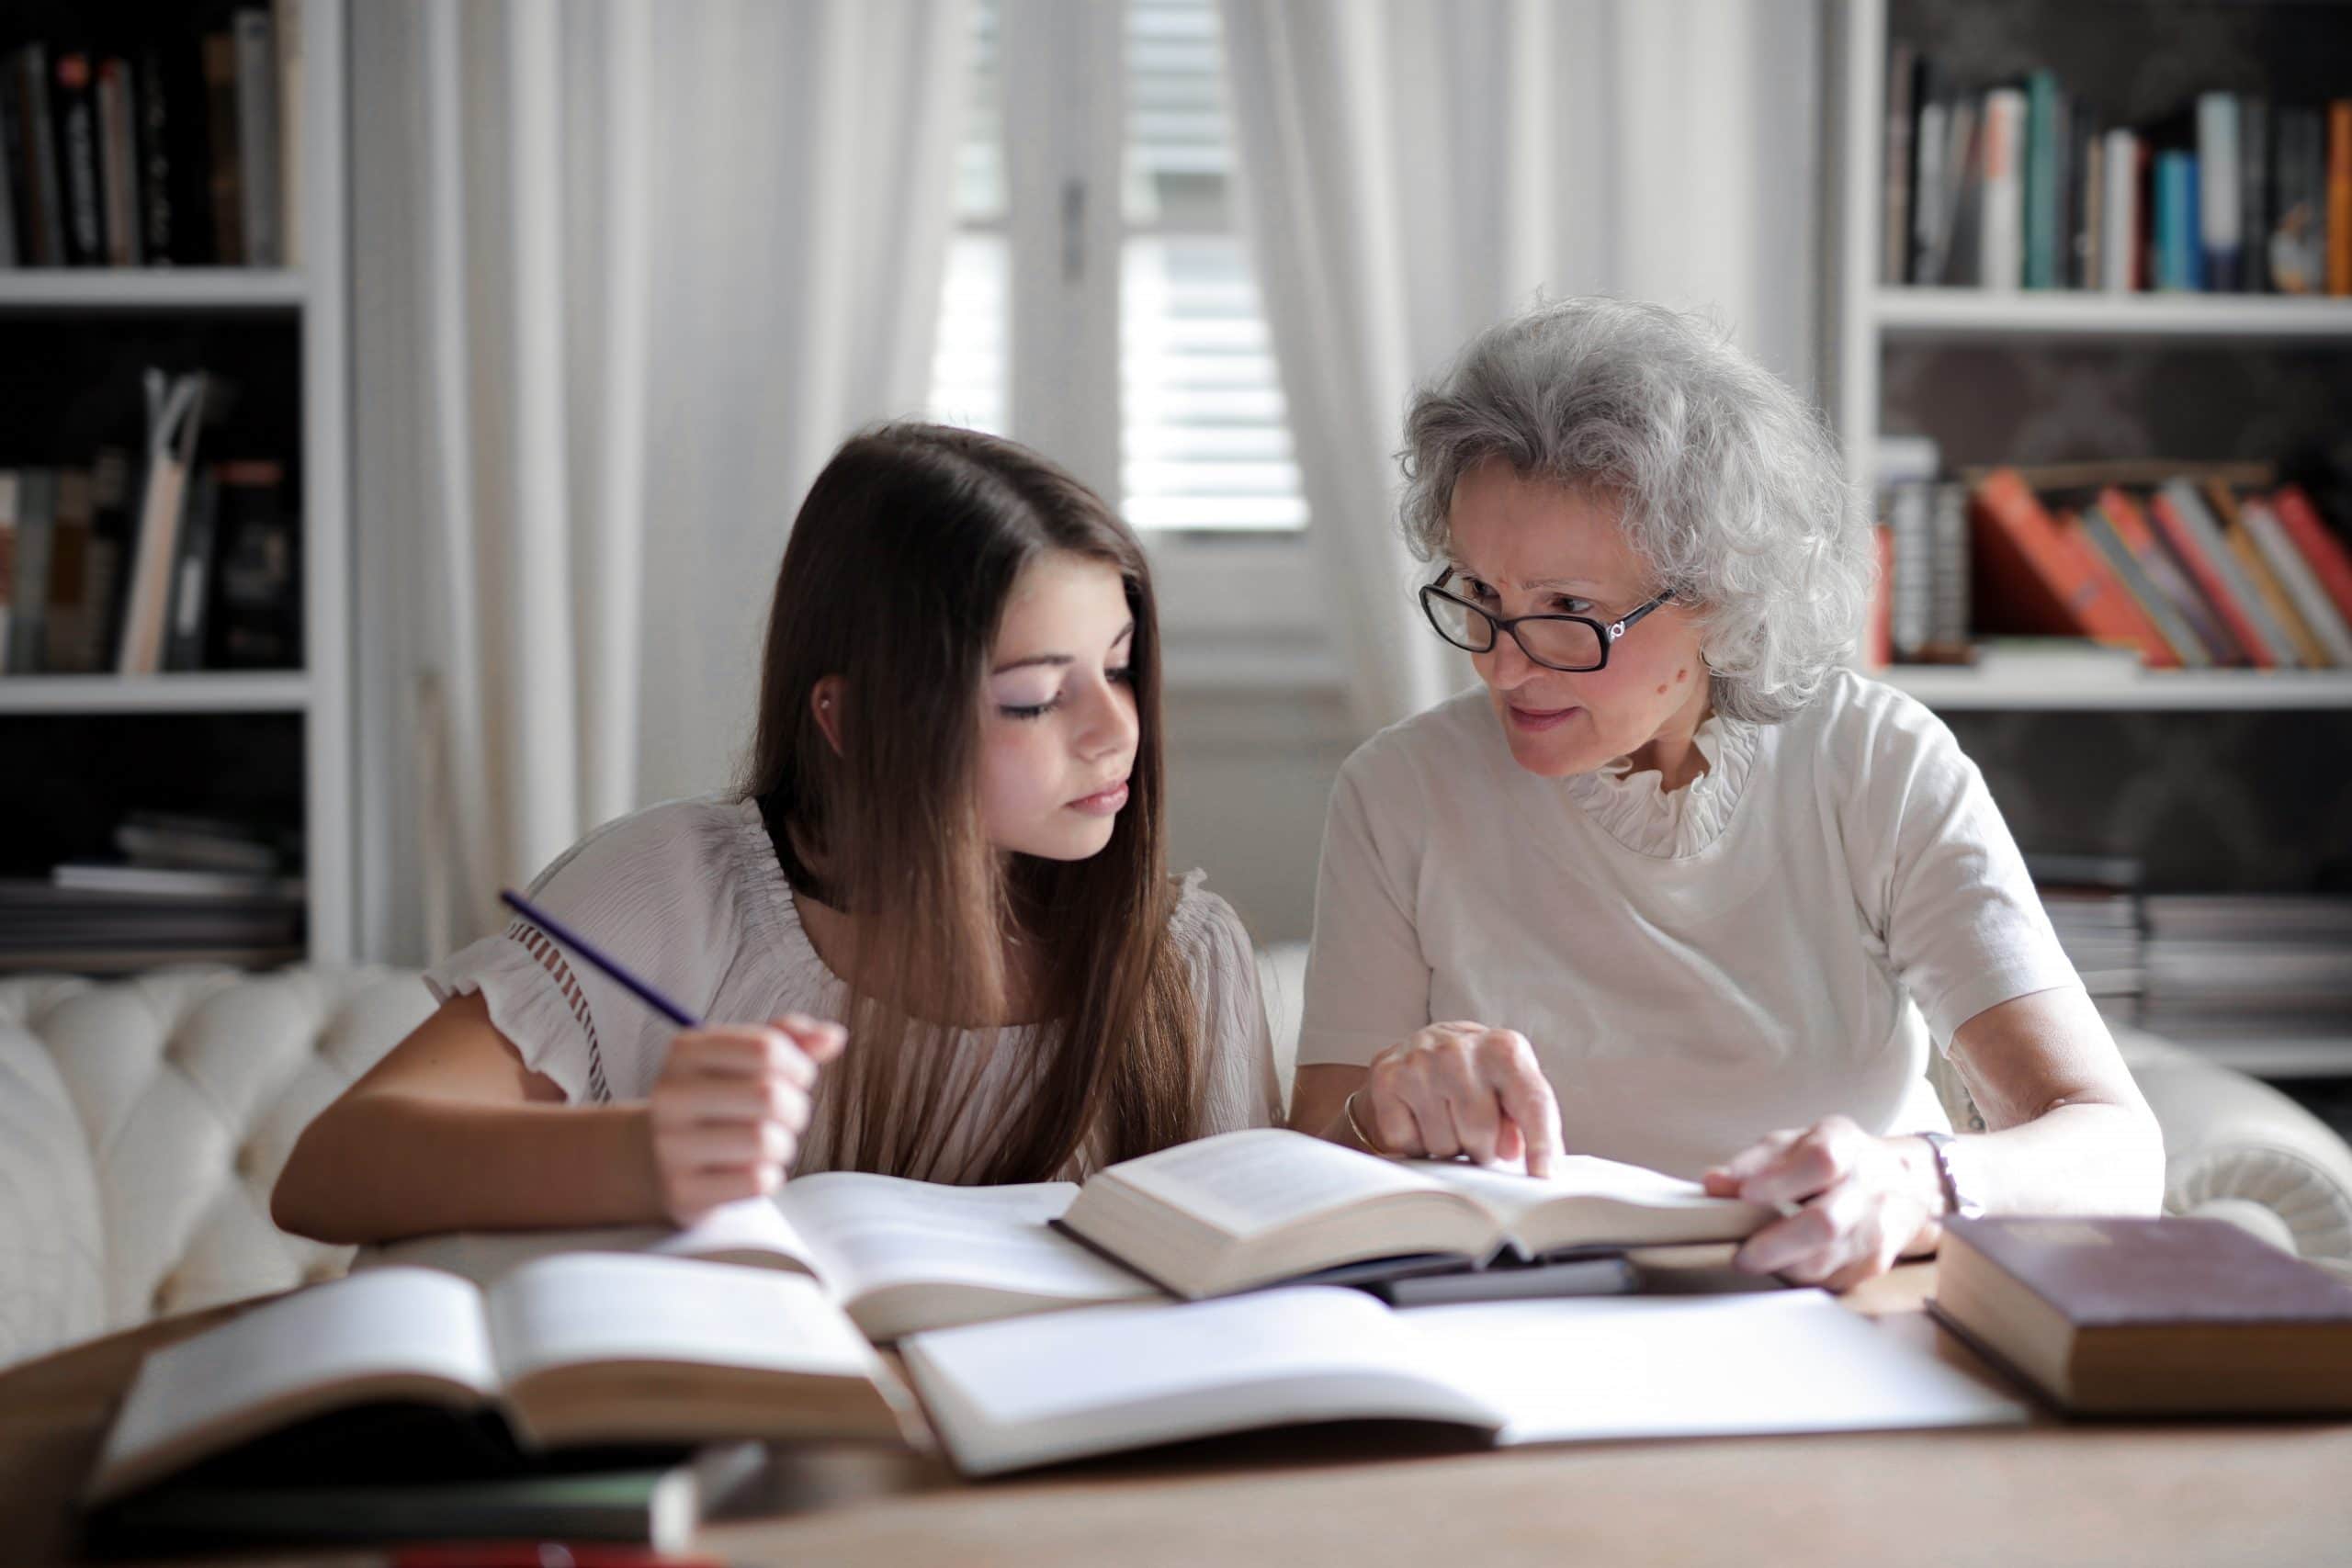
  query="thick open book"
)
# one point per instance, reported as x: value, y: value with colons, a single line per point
x: 898, y: 1256
x: 589, y: 1349
x: 1246, y: 1209
x: 1005, y: 1397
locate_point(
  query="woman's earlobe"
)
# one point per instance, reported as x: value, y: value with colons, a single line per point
x: 825, y: 702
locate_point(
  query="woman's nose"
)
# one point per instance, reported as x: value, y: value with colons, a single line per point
x: 1110, y: 725
x: 1505, y: 665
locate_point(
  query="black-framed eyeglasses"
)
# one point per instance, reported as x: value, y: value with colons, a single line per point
x: 1575, y: 643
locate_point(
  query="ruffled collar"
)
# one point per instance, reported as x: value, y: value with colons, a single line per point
x: 1634, y: 810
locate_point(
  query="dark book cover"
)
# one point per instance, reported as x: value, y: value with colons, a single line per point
x: 256, y: 619
x: 192, y: 588
x: 27, y: 70
x: 2115, y: 1273
x: 74, y: 101
x: 15, y: 178
x: 227, y: 204
x: 2253, y: 192
x: 174, y: 161
x: 118, y: 162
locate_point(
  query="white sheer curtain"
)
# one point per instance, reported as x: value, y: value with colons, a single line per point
x: 624, y: 274
x: 1413, y: 170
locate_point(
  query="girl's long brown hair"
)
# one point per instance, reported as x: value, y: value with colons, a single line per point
x: 895, y: 579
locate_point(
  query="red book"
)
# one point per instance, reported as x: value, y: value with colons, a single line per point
x: 2209, y: 583
x: 1881, y: 638
x: 2032, y: 578
x: 2116, y: 603
x: 2330, y: 561
x: 2131, y: 525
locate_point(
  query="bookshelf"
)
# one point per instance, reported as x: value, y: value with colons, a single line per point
x: 291, y: 728
x: 1868, y: 322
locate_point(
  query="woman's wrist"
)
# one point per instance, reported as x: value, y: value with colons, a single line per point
x: 1363, y: 1139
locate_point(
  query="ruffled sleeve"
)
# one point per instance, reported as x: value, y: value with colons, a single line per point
x: 1239, y: 1087
x: 654, y: 891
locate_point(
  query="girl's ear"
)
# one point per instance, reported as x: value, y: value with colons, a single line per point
x: 825, y: 702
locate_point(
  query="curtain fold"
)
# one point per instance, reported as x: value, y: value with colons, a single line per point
x: 624, y: 274
x: 1413, y: 170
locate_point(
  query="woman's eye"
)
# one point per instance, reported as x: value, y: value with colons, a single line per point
x: 1568, y: 606
x: 1471, y: 588
x: 1031, y: 710
x: 1121, y: 676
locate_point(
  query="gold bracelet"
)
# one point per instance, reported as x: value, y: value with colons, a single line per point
x: 1348, y: 1110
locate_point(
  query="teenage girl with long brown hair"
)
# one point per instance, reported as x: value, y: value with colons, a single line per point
x: 936, y: 904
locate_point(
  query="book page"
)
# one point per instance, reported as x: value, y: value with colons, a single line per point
x: 750, y: 1230
x: 406, y: 1321
x: 1690, y: 1366
x: 1247, y: 1182
x: 869, y: 1233
x: 591, y: 1307
x: 1509, y: 1193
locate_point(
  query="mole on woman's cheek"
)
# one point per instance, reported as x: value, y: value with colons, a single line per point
x: 1679, y: 676
x: 1661, y: 690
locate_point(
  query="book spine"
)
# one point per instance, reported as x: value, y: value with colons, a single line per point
x: 2294, y: 636
x: 286, y: 20
x: 1948, y: 618
x: 2093, y: 238
x: 2042, y: 135
x: 2173, y: 237
x: 2180, y: 517
x: 1928, y: 197
x: 2217, y: 193
x: 192, y: 575
x: 1894, y: 260
x: 118, y: 163
x: 1913, y: 581
x: 2303, y: 216
x: 1881, y: 650
x: 2330, y: 561
x: 2029, y: 579
x: 2296, y: 579
x: 69, y: 563
x: 2123, y: 515
x: 77, y: 152
x: 2109, y: 614
x: 1959, y: 188
x: 2253, y: 192
x: 27, y: 627
x: 2082, y: 198
x: 2119, y: 211
x: 8, y: 486
x: 258, y: 136
x: 2188, y: 650
x: 14, y: 175
x: 158, y: 212
x: 220, y: 121
x: 2339, y: 196
x: 40, y: 142
x: 2000, y: 253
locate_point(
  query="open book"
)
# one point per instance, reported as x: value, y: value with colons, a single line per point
x: 1004, y: 1397
x: 1246, y: 1209
x: 564, y: 1351
x: 898, y: 1256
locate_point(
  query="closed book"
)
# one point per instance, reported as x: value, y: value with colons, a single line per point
x: 225, y: 182
x: 74, y: 101
x: 1908, y: 518
x: 8, y: 183
x: 2000, y: 235
x: 2296, y: 579
x: 2189, y: 649
x: 286, y: 20
x: 2120, y: 213
x: 69, y: 576
x: 28, y: 70
x: 2330, y: 560
x: 2179, y: 252
x: 2032, y: 578
x: 2254, y: 191
x: 191, y: 587
x: 2339, y: 196
x: 2180, y: 520
x: 2130, y: 524
x: 2119, y: 609
x: 2045, y: 134
x: 1902, y: 113
x: 2298, y: 229
x: 28, y: 619
x: 2276, y: 603
x: 2218, y: 213
x: 1948, y: 616
x: 9, y: 482
x: 257, y: 143
x: 1958, y: 192
x: 253, y: 620
x: 174, y: 409
x: 2116, y: 1316
x: 118, y: 163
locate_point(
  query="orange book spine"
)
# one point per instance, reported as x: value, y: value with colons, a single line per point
x: 2112, y: 614
x: 1882, y: 637
x: 2258, y: 571
x: 2330, y: 561
x: 2211, y: 583
x: 2339, y: 196
x: 2030, y: 577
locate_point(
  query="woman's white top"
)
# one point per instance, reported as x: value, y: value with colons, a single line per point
x: 1693, y: 969
x: 690, y: 896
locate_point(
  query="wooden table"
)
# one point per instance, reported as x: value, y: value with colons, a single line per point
x: 2266, y: 1494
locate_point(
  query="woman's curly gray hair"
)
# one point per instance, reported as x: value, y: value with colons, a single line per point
x: 1732, y: 488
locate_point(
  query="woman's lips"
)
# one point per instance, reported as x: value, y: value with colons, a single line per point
x: 1539, y: 719
x: 1102, y: 802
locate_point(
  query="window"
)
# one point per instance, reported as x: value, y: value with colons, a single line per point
x: 1154, y: 380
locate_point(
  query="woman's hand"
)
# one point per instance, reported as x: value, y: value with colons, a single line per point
x: 1462, y: 1088
x: 730, y: 1108
x: 1864, y: 1201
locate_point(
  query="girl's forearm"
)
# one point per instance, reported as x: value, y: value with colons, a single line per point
x: 384, y: 1166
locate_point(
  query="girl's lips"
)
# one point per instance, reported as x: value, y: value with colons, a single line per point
x: 1104, y: 802
x: 1540, y: 718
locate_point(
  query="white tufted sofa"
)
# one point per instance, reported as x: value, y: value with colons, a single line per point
x: 143, y: 1122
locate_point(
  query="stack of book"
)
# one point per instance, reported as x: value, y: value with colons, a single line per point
x: 157, y: 149
x: 2270, y: 968
x: 2173, y: 566
x: 162, y: 564
x: 2094, y: 904
x: 188, y: 890
x: 2023, y: 185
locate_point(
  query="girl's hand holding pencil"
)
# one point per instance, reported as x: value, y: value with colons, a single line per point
x: 730, y: 1106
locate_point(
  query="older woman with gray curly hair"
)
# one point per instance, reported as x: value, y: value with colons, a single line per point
x: 1674, y: 886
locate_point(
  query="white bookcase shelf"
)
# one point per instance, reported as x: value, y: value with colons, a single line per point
x: 1958, y: 687
x: 2058, y: 314
x: 315, y: 298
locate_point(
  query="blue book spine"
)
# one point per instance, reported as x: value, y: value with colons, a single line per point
x: 2041, y: 165
x: 2175, y: 240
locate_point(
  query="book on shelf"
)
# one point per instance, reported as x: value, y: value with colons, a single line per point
x: 2018, y: 182
x: 896, y: 1255
x: 2285, y: 565
x: 1243, y: 1210
x: 421, y: 1367
x: 2189, y: 527
x: 2035, y: 577
x: 2174, y: 1316
x: 2330, y: 561
x: 180, y: 150
x: 1502, y: 1374
x: 2255, y: 567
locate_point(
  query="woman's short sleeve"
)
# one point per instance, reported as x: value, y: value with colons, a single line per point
x: 1942, y: 880
x: 651, y: 891
x: 1239, y: 1087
